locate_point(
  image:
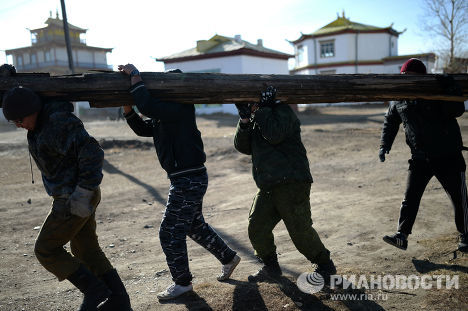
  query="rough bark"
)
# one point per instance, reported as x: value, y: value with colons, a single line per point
x: 111, y: 89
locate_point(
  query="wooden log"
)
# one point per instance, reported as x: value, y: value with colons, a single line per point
x: 111, y: 89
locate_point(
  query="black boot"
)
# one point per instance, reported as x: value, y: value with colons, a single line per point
x: 326, y: 270
x: 463, y: 243
x: 94, y: 290
x: 119, y: 300
x: 270, y: 271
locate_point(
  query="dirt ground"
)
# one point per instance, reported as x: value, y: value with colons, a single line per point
x: 355, y: 200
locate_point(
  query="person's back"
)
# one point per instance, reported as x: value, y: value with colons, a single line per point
x: 54, y: 144
x: 278, y: 155
x: 430, y: 127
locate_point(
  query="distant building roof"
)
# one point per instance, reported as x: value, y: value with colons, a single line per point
x: 59, y: 23
x: 220, y: 46
x: 345, y: 25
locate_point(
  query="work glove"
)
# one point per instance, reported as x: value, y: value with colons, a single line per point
x: 268, y: 97
x: 80, y: 202
x: 173, y: 71
x: 382, y: 153
x: 449, y: 85
x: 244, y: 110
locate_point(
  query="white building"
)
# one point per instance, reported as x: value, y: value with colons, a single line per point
x: 48, y: 52
x: 346, y: 47
x: 222, y: 54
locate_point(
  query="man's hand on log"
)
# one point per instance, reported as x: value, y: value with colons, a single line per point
x: 268, y: 97
x: 127, y: 69
x: 7, y: 70
x: 132, y: 71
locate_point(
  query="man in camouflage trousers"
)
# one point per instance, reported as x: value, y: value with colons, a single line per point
x: 270, y: 133
x: 179, y: 147
x: 71, y: 165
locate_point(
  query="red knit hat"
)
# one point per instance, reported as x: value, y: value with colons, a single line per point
x: 414, y: 65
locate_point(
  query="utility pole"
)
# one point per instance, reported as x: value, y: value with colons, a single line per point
x: 67, y: 37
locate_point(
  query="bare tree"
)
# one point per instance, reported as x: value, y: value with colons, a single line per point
x: 448, y: 21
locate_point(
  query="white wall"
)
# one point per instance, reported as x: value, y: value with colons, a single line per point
x: 239, y: 64
x: 84, y: 56
x: 373, y: 46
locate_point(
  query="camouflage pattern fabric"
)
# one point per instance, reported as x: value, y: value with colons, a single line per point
x: 64, y: 152
x: 183, y: 217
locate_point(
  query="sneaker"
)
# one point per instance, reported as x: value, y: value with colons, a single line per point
x: 227, y: 269
x: 174, y: 291
x: 398, y: 240
x: 270, y: 272
x: 326, y: 270
x: 463, y: 243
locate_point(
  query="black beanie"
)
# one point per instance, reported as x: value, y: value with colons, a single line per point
x: 20, y: 102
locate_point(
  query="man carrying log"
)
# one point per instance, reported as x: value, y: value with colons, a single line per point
x: 270, y: 133
x: 71, y: 165
x: 180, y: 152
x: 434, y: 137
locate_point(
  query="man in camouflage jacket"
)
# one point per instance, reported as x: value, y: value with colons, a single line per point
x: 270, y: 133
x: 71, y: 165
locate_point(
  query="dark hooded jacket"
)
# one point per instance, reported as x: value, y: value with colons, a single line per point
x: 63, y: 150
x: 274, y: 141
x: 431, y: 129
x: 173, y: 126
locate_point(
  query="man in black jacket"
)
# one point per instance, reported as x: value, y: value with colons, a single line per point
x: 434, y: 137
x: 180, y: 152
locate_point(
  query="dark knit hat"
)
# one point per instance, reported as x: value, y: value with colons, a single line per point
x: 414, y: 65
x: 20, y: 102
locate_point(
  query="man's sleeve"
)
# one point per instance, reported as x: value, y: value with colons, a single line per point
x: 153, y: 107
x: 242, y: 139
x: 451, y: 110
x: 275, y: 124
x: 140, y: 127
x: 390, y: 127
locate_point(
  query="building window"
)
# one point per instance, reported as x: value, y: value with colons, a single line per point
x: 327, y: 49
x: 300, y: 54
x: 33, y: 59
x: 19, y: 60
x: 47, y: 56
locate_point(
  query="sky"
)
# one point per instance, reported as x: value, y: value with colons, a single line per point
x: 141, y: 30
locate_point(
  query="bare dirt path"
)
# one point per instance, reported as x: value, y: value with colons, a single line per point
x: 355, y: 200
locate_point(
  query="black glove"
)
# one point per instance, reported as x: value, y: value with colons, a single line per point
x: 7, y: 70
x: 449, y: 85
x: 173, y: 71
x: 382, y: 153
x: 244, y: 110
x: 268, y: 97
